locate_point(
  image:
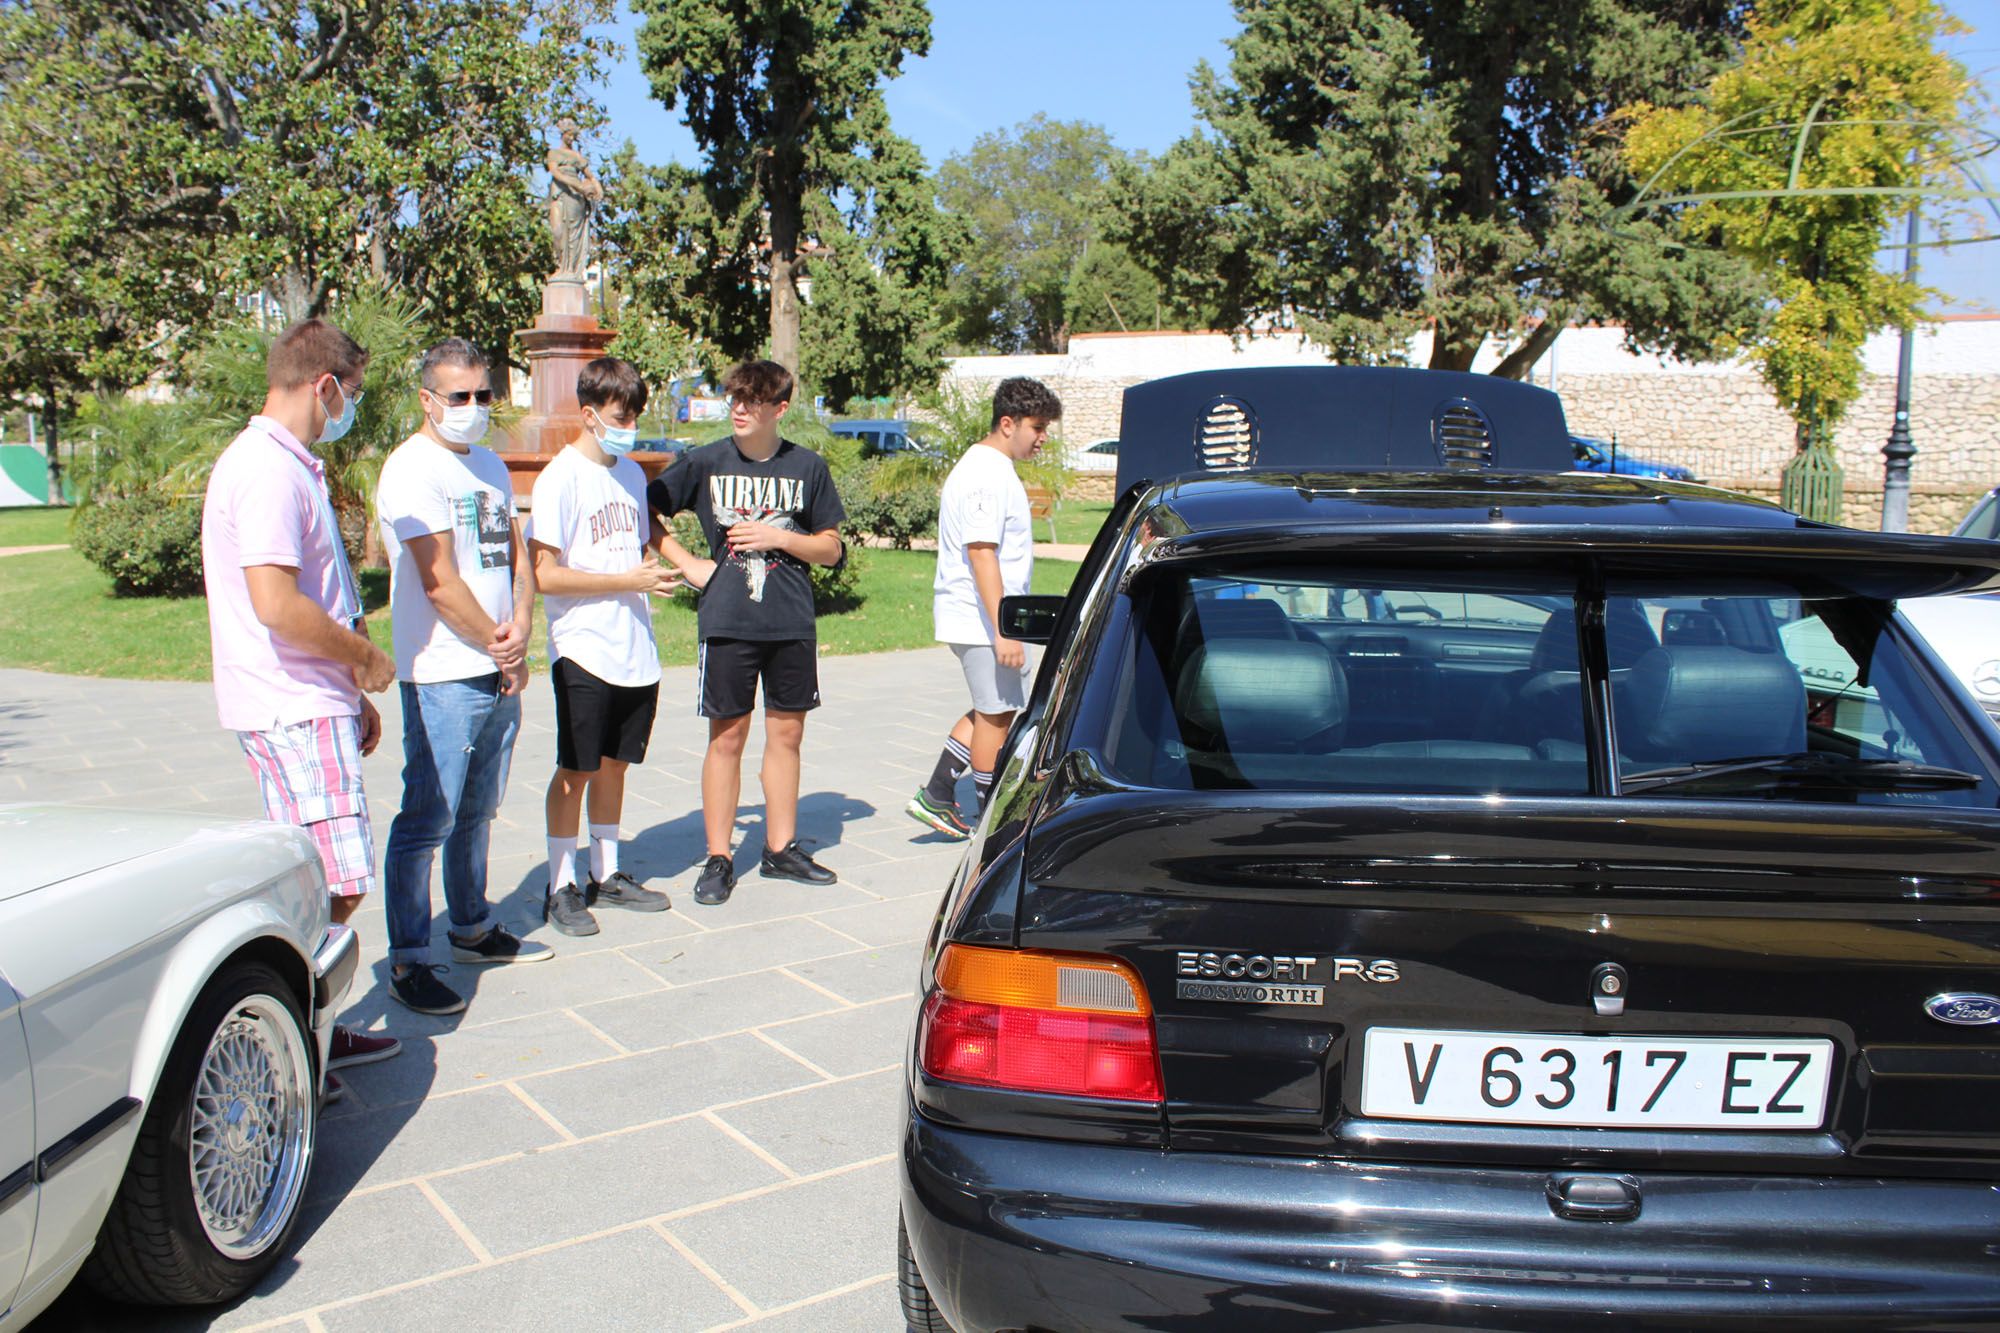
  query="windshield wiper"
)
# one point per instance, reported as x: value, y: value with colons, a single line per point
x: 1831, y: 769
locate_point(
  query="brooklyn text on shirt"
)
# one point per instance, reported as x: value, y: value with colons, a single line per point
x: 615, y: 516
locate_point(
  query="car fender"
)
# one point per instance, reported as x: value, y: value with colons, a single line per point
x: 249, y: 925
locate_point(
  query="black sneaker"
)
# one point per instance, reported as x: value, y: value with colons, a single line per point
x: 419, y: 989
x: 498, y: 945
x: 621, y: 890
x: 791, y: 862
x: 564, y: 909
x: 718, y: 878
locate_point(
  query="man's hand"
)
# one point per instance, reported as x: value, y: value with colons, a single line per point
x: 371, y: 728
x: 377, y: 671
x: 757, y: 537
x: 698, y: 573
x: 510, y: 644
x: 650, y: 576
x: 1009, y: 653
x: 514, y: 679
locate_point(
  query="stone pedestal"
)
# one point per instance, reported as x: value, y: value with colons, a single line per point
x: 565, y: 338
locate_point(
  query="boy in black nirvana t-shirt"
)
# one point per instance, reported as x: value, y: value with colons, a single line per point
x: 768, y: 508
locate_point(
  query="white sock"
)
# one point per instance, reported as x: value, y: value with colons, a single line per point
x: 562, y: 862
x: 603, y: 851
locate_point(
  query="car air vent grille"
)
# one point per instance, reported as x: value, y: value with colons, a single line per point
x: 1463, y: 435
x: 1226, y: 436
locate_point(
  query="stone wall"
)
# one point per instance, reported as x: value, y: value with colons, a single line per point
x: 1718, y: 420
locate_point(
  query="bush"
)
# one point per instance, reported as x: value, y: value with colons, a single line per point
x: 879, y: 504
x: 150, y: 544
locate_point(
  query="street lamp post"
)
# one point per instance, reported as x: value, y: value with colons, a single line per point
x: 1898, y: 452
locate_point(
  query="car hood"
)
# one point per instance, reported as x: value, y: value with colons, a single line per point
x: 44, y: 844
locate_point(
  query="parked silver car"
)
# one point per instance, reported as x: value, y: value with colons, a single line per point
x: 167, y: 986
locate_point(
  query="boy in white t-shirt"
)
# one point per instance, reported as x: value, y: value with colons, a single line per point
x: 589, y: 530
x: 986, y: 551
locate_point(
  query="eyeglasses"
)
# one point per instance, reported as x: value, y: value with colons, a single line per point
x: 460, y: 397
x: 749, y: 404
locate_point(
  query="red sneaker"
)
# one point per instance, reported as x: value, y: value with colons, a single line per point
x: 358, y: 1048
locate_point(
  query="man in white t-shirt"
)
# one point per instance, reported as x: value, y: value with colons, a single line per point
x: 986, y: 551
x: 589, y: 530
x: 461, y: 599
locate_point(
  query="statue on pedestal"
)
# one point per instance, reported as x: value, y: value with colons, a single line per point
x: 573, y: 195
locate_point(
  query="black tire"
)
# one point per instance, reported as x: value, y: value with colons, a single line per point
x: 153, y: 1248
x: 920, y: 1312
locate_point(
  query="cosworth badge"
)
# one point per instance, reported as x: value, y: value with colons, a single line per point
x: 1257, y: 978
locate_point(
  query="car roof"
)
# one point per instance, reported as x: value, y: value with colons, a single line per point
x: 1633, y: 525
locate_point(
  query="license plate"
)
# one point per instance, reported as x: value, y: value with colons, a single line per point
x: 1541, y: 1078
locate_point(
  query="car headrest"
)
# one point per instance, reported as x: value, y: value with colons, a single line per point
x: 1695, y: 703
x: 1262, y: 694
x: 1238, y: 618
x: 1627, y: 638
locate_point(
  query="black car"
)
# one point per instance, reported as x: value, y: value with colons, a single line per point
x: 1442, y: 892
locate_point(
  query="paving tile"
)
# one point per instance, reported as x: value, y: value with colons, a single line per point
x: 582, y: 1188
x: 894, y: 922
x: 687, y: 1013
x: 874, y: 1308
x: 846, y: 1223
x: 867, y: 974
x: 515, y: 990
x: 852, y: 1041
x: 750, y: 948
x: 638, y: 1089
x: 374, y: 1241
x: 831, y: 1125
x: 397, y: 1142
x: 484, y: 1054
x: 633, y: 1280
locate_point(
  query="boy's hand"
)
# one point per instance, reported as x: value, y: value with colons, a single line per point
x: 699, y: 573
x: 1008, y: 652
x: 510, y: 645
x: 514, y: 679
x: 650, y: 576
x: 756, y: 537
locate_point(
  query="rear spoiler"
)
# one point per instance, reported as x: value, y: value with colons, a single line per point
x: 1338, y: 418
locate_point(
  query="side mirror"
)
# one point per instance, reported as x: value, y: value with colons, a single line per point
x: 1032, y: 618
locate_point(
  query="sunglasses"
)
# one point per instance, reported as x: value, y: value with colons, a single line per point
x: 460, y: 397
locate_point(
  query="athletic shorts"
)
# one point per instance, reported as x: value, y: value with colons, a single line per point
x: 596, y: 720
x: 995, y: 689
x: 310, y: 775
x: 727, y: 676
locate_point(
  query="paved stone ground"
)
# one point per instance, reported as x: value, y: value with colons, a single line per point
x: 686, y: 1122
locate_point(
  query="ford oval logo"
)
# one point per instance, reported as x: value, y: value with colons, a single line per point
x: 1964, y: 1009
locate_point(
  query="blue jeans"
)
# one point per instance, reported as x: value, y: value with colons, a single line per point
x: 458, y: 736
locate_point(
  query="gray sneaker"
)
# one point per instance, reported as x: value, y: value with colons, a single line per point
x: 621, y: 890
x: 498, y: 945
x: 564, y: 909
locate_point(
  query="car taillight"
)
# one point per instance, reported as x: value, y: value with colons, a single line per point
x: 1040, y: 1022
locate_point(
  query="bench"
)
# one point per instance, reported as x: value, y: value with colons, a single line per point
x: 1042, y: 504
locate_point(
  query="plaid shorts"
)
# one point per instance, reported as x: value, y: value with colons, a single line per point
x: 310, y: 775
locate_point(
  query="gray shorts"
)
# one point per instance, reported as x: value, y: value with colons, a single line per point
x: 995, y: 689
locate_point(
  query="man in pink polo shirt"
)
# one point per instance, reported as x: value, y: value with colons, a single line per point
x: 284, y: 622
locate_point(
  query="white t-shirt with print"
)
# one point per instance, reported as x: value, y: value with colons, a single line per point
x: 428, y: 487
x: 596, y: 520
x: 983, y: 501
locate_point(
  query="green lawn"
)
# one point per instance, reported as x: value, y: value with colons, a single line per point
x: 1076, y: 522
x: 57, y: 614
x: 33, y: 527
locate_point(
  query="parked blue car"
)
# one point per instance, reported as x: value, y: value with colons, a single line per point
x: 1603, y: 456
x: 882, y: 436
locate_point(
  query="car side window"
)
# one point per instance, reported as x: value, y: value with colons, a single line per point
x: 1983, y: 521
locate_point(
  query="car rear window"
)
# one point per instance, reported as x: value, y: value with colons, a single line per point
x: 1468, y: 683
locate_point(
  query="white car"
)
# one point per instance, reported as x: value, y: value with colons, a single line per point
x: 167, y: 987
x: 1964, y: 630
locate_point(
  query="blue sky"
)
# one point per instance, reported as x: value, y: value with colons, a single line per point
x: 1124, y: 64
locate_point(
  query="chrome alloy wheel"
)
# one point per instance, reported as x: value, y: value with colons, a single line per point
x: 250, y: 1134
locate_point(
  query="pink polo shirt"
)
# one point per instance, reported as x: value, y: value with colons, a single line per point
x: 266, y: 505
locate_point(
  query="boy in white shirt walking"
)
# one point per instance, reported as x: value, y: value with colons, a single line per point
x: 589, y: 531
x: 986, y: 551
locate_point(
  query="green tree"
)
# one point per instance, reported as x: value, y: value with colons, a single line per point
x: 1031, y: 197
x: 1371, y: 168
x: 800, y: 168
x: 1833, y: 101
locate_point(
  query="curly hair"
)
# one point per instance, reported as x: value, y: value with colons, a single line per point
x: 759, y: 382
x: 1021, y: 398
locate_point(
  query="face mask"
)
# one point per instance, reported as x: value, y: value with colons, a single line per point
x: 464, y: 425
x: 338, y: 426
x: 616, y: 440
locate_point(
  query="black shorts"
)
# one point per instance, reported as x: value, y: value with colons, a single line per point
x: 730, y: 669
x: 596, y: 720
